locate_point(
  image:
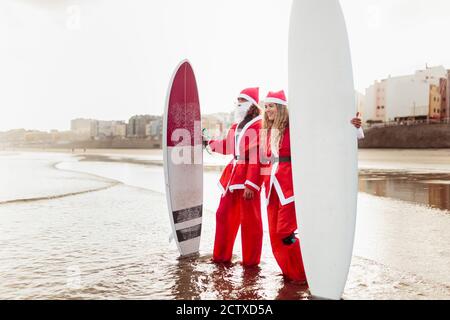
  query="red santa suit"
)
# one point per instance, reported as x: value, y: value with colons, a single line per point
x: 242, y: 172
x: 281, y: 207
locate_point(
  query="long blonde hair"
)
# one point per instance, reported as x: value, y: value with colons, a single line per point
x: 277, y: 126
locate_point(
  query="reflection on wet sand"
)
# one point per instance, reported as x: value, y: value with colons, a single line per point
x: 197, y: 278
x: 225, y: 282
x: 187, y: 279
x: 430, y: 189
x: 293, y: 291
x: 250, y: 284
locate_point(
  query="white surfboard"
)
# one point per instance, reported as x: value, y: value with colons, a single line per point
x: 324, y: 144
x: 183, y: 159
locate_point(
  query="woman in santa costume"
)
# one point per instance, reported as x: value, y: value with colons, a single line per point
x: 240, y: 183
x: 278, y: 182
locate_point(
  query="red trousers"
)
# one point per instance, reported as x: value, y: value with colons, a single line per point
x: 282, y: 224
x: 235, y: 211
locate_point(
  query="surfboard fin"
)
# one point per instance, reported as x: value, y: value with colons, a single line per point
x: 171, y: 238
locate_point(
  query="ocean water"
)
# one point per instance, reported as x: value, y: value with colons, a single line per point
x: 72, y: 229
x: 33, y: 176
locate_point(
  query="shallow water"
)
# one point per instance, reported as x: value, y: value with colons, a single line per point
x: 28, y: 176
x: 431, y: 189
x: 114, y: 243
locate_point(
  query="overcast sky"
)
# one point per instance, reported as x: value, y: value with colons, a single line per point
x: 111, y: 59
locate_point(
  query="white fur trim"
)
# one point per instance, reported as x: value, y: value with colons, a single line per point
x: 263, y: 196
x: 276, y: 100
x: 237, y: 153
x: 221, y: 188
x: 272, y: 178
x: 232, y: 174
x: 236, y: 187
x: 253, y: 185
x: 248, y: 98
x: 283, y: 200
x: 242, y: 134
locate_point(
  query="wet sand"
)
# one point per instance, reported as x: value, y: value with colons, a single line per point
x: 430, y: 189
x: 409, y: 177
x: 119, y: 249
x: 399, y: 160
x: 113, y: 243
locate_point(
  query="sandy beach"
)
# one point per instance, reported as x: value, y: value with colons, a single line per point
x: 95, y: 226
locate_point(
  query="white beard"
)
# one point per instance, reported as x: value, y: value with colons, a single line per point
x: 241, y: 111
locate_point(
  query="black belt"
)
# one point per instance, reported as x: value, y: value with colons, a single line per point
x: 278, y: 159
x: 239, y: 158
x: 273, y: 159
x: 281, y: 159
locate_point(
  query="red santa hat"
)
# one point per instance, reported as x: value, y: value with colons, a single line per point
x: 251, y: 95
x: 276, y: 97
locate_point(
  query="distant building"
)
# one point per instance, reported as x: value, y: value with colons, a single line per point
x: 62, y: 137
x: 375, y: 103
x: 435, y: 103
x: 360, y: 100
x: 110, y: 129
x: 84, y: 128
x: 103, y: 129
x: 154, y: 132
x: 37, y: 137
x: 217, y: 124
x: 79, y: 125
x: 443, y: 93
x: 12, y: 137
x: 137, y: 126
x: 155, y: 128
x: 447, y: 109
x: 405, y: 97
x: 119, y: 129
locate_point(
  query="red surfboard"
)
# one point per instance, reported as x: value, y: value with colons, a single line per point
x: 183, y: 159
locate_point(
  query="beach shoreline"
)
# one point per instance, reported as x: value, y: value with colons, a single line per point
x: 126, y: 221
x: 385, y: 160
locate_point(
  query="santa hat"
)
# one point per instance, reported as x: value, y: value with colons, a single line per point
x: 251, y: 95
x: 276, y: 97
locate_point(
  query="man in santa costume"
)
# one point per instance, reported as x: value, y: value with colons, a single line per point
x: 240, y: 184
x: 278, y: 182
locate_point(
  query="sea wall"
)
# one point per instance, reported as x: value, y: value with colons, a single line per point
x: 421, y: 136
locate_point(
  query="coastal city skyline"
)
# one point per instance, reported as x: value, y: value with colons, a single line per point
x: 140, y: 131
x: 424, y: 94
x: 209, y: 120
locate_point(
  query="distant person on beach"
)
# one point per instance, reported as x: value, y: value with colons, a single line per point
x: 278, y: 182
x: 240, y: 184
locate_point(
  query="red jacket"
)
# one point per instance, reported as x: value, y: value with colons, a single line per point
x: 279, y: 174
x: 244, y: 170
